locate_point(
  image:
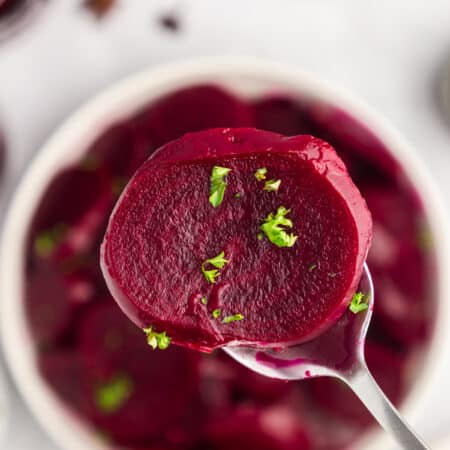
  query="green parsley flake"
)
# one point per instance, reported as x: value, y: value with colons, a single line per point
x: 216, y: 313
x: 111, y: 396
x: 219, y: 262
x: 260, y: 236
x: 312, y: 267
x: 204, y: 300
x: 274, y: 227
x: 47, y: 240
x: 157, y: 340
x: 272, y: 185
x: 237, y: 195
x: 260, y: 173
x: 358, y: 303
x: 210, y: 275
x: 233, y: 318
x: 218, y: 185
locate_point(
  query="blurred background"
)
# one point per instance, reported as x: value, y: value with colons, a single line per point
x: 57, y: 54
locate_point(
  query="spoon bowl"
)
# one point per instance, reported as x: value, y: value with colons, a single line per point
x: 339, y: 353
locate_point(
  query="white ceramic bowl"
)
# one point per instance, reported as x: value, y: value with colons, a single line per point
x: 246, y: 78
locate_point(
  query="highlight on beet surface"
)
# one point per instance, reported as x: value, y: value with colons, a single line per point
x: 162, y: 219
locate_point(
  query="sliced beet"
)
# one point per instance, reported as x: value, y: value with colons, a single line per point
x: 395, y: 209
x: 275, y: 428
x: 63, y: 371
x: 164, y: 228
x: 81, y: 286
x: 281, y: 115
x: 119, y: 151
x: 11, y: 7
x: 114, y: 352
x: 352, y: 139
x: 48, y: 304
x: 194, y: 109
x: 71, y: 215
x: 402, y: 317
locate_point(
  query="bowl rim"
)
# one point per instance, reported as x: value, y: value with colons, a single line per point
x: 78, y: 127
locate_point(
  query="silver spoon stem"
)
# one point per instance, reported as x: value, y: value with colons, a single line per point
x: 366, y: 388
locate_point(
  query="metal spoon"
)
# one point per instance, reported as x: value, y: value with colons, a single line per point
x: 339, y: 353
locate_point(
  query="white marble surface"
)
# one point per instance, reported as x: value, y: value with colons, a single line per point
x: 388, y: 52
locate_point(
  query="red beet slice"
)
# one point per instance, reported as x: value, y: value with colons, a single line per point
x: 63, y: 371
x: 405, y: 318
x: 10, y: 7
x: 164, y: 228
x: 394, y: 209
x: 115, y: 353
x: 71, y: 215
x: 281, y: 115
x: 275, y: 428
x: 119, y: 151
x: 194, y: 109
x: 48, y: 304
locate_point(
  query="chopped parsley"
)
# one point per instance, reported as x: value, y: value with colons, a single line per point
x: 216, y: 313
x: 218, y: 185
x: 47, y: 240
x: 260, y: 173
x: 157, y: 340
x: 204, y: 301
x: 272, y: 185
x: 237, y: 195
x: 274, y: 227
x: 218, y: 262
x: 312, y: 267
x: 210, y: 275
x: 358, y: 303
x: 260, y: 236
x: 110, y: 396
x: 233, y: 318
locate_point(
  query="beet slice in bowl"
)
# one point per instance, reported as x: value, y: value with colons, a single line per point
x: 193, y: 109
x: 131, y: 392
x: 273, y: 428
x: 237, y: 236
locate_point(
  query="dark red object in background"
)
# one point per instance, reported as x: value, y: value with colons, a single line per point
x: 10, y: 7
x: 170, y: 22
x: 217, y: 404
x: 99, y: 7
x: 15, y: 15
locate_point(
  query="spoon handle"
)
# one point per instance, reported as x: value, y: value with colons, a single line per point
x: 366, y: 388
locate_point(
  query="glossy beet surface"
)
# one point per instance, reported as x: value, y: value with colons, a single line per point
x: 88, y: 350
x: 164, y: 227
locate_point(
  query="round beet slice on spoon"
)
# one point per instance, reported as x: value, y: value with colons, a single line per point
x: 237, y: 236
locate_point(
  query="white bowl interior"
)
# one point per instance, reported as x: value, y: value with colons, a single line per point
x: 244, y: 77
